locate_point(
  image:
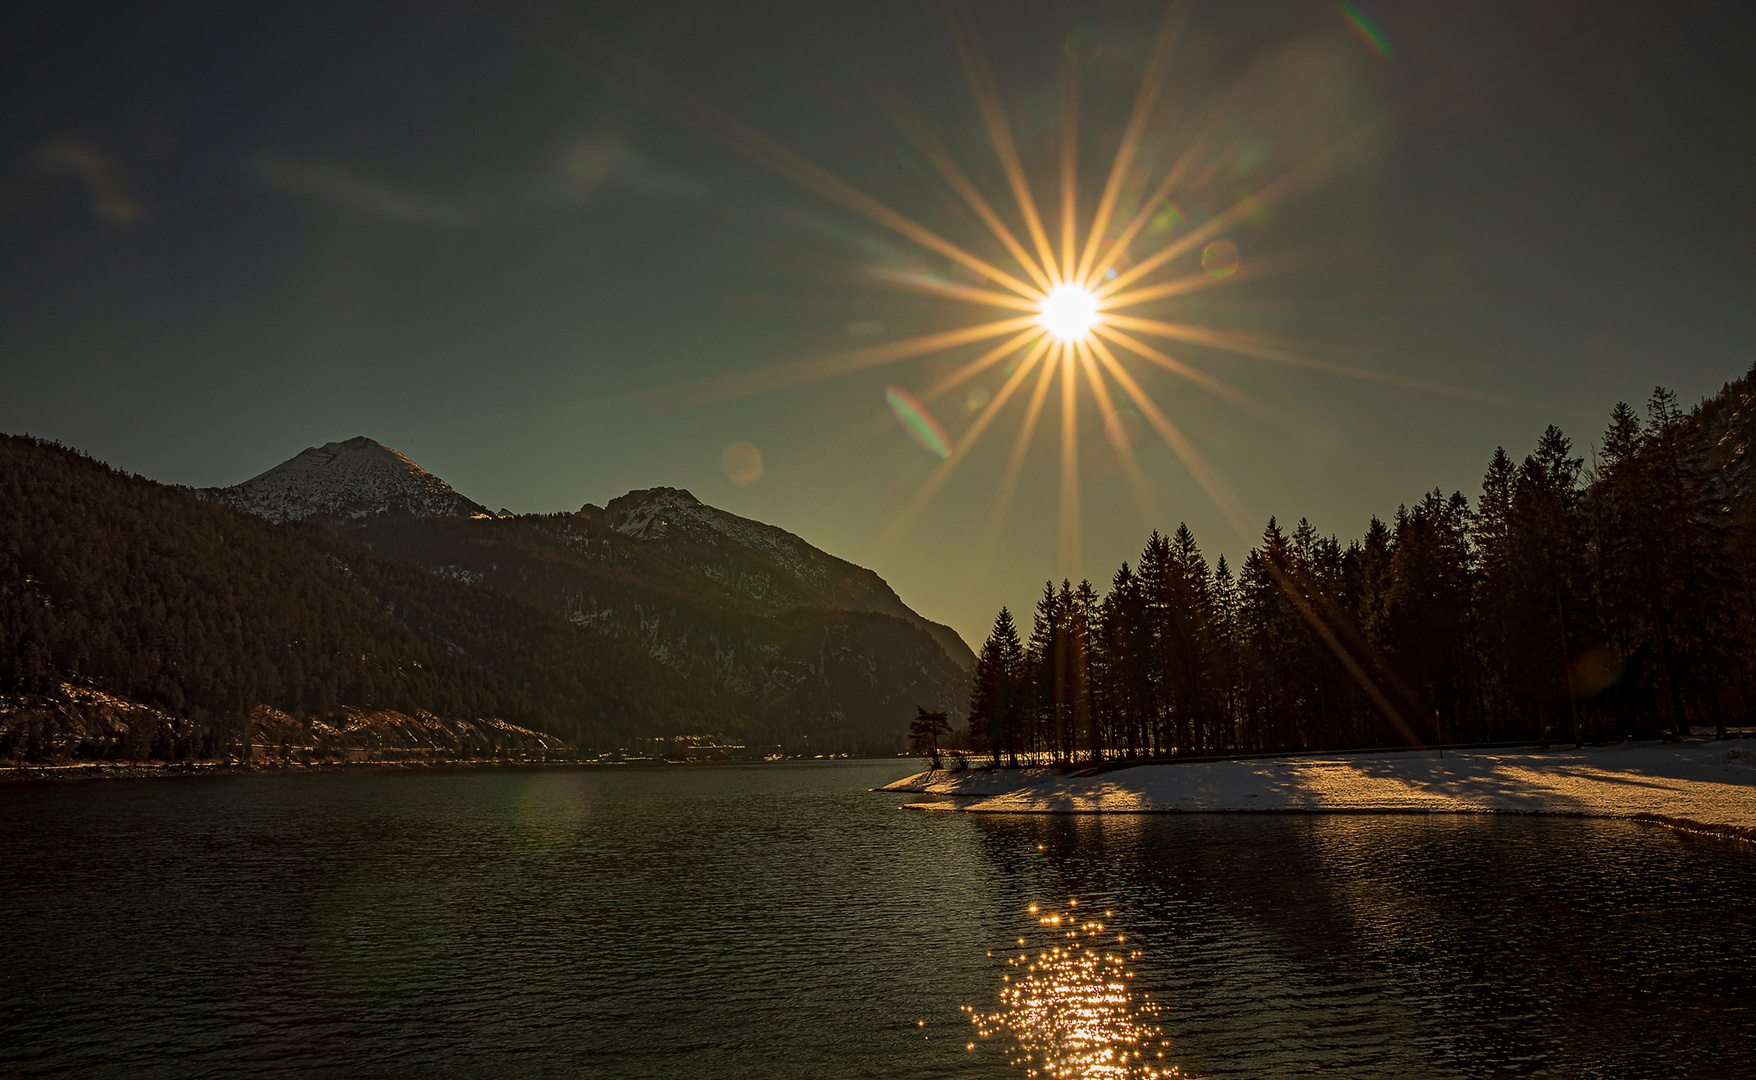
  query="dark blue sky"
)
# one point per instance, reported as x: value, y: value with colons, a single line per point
x: 506, y: 240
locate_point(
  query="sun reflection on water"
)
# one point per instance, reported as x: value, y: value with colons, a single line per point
x: 1068, y: 1006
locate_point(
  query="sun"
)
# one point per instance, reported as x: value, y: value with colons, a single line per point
x: 1069, y: 313
x: 1062, y: 302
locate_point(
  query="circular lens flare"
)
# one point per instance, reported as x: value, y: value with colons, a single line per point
x: 1069, y: 312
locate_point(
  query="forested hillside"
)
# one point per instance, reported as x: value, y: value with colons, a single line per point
x: 797, y: 666
x: 775, y: 568
x: 1576, y: 599
x: 204, y: 613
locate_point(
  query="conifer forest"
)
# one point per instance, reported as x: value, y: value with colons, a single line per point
x: 1581, y: 596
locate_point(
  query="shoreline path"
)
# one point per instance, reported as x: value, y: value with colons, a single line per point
x: 1702, y: 787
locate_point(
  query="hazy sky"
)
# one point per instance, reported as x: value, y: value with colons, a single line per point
x: 511, y: 240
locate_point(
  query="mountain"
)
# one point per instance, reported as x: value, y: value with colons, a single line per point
x: 1725, y: 426
x: 344, y: 481
x: 101, y: 726
x: 762, y: 561
x: 203, y: 614
x: 349, y: 581
x: 723, y: 600
x: 796, y: 671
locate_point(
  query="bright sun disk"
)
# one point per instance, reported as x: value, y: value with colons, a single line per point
x: 1069, y: 312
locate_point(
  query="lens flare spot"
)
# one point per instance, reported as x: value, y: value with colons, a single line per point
x: 742, y: 463
x: 918, y: 422
x: 554, y: 808
x: 1122, y: 428
x: 1169, y: 216
x: 1069, y: 312
x: 1365, y: 29
x: 1220, y: 259
x: 977, y: 399
x: 1596, y: 669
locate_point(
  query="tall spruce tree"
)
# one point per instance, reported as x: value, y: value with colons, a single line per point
x: 994, y: 698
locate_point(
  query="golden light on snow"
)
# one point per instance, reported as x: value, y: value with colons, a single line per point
x: 1069, y: 313
x: 1069, y: 1010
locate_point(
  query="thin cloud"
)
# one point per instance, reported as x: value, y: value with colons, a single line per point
x: 584, y: 168
x: 339, y: 187
x: 94, y: 170
x: 598, y: 161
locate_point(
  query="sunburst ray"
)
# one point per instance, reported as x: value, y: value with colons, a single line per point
x: 910, y: 513
x: 1164, y: 290
x: 813, y: 369
x: 1144, y: 499
x: 1069, y: 162
x: 1020, y: 447
x: 1291, y: 182
x: 1252, y: 345
x: 1157, y: 64
x: 975, y: 367
x: 1177, y: 367
x: 1205, y: 477
x: 921, y: 283
x: 1070, y: 554
x: 1077, y: 343
x: 1178, y: 171
x: 981, y: 83
x: 912, y: 125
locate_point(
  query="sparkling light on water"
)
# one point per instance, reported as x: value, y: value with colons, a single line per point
x: 1068, y: 1010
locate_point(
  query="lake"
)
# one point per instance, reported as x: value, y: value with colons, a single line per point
x: 783, y: 921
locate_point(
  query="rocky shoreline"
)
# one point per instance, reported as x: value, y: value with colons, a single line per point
x: 79, y: 771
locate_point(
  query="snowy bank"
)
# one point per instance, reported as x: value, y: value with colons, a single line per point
x: 1709, y: 787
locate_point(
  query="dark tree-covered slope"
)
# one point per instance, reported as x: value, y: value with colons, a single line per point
x: 799, y: 665
x: 768, y: 564
x: 204, y: 613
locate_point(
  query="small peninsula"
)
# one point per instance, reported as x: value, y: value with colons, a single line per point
x: 1705, y: 787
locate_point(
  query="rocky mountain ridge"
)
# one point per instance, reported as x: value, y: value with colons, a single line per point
x: 798, y: 641
x: 344, y: 481
x: 764, y: 561
x: 1726, y: 424
x: 79, y: 721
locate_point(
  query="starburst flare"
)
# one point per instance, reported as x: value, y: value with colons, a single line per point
x: 1070, y: 290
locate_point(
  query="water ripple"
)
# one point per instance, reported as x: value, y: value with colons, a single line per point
x: 780, y: 921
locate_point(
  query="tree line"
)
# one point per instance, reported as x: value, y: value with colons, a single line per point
x: 1575, y: 600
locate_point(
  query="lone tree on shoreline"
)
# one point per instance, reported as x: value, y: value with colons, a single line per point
x: 925, y: 732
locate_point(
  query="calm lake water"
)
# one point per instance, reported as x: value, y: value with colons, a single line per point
x: 782, y: 921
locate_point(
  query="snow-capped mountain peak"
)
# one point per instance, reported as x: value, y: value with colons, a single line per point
x: 345, y: 481
x: 647, y: 515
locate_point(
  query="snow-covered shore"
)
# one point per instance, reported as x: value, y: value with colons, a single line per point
x: 1710, y: 786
